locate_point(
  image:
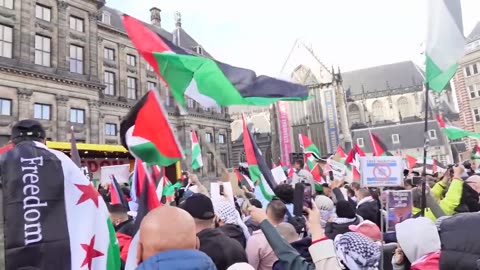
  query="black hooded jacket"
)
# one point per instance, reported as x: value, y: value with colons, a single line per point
x: 223, y: 250
x: 301, y: 246
x: 333, y: 229
x: 460, y: 242
x: 235, y: 232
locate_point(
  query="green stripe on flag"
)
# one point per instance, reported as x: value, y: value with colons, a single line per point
x: 437, y: 80
x: 113, y: 256
x: 255, y: 173
x: 149, y: 153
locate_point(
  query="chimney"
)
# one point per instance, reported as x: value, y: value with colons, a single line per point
x: 178, y: 19
x: 155, y: 17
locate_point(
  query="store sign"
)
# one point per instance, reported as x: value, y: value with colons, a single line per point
x: 93, y: 166
x: 331, y: 120
x: 284, y: 132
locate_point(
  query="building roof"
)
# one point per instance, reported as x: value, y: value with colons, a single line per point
x: 410, y: 135
x: 178, y: 36
x: 380, y: 78
x: 475, y: 34
x: 257, y: 123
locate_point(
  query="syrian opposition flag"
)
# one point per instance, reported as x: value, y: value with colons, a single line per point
x: 257, y: 166
x: 209, y: 82
x: 445, y: 42
x: 197, y: 161
x: 455, y: 133
x: 378, y: 147
x: 147, y: 133
x: 54, y: 217
x: 476, y: 152
x: 353, y: 159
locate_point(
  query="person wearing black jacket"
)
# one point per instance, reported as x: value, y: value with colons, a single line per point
x: 367, y: 207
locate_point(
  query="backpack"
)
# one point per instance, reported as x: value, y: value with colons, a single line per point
x: 297, y: 222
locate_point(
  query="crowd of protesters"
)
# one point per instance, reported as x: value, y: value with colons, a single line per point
x: 342, y: 229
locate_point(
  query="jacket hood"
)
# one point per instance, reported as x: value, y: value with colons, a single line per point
x: 232, y: 230
x: 175, y: 259
x: 417, y: 237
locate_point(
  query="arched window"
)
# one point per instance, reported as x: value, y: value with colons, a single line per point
x: 377, y: 111
x: 402, y: 104
x: 354, y: 114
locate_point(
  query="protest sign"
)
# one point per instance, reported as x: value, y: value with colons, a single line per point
x: 279, y: 174
x: 339, y: 169
x: 399, y: 207
x: 121, y: 173
x: 381, y: 171
x: 94, y: 166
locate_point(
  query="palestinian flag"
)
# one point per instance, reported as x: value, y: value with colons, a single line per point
x: 197, y: 161
x: 353, y: 159
x: 54, y: 217
x: 476, y: 152
x: 147, y: 133
x: 308, y: 147
x: 74, y: 155
x: 411, y: 161
x: 445, y: 42
x: 257, y: 166
x: 166, y: 190
x: 340, y: 154
x: 243, y: 180
x: 209, y: 82
x: 432, y: 165
x: 454, y: 133
x: 147, y: 201
x: 116, y: 194
x: 378, y: 147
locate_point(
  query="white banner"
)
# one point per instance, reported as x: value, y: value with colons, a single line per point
x: 121, y: 173
x: 339, y: 169
x: 279, y: 174
x: 381, y: 171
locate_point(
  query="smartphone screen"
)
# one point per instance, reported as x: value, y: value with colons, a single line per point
x: 330, y: 174
x: 222, y: 192
x: 307, y: 195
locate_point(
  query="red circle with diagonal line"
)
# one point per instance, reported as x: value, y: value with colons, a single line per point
x: 382, y: 171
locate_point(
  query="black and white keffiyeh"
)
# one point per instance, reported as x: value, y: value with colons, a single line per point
x: 357, y: 252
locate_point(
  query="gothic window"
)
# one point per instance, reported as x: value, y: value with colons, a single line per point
x: 403, y: 109
x: 354, y: 114
x: 377, y: 110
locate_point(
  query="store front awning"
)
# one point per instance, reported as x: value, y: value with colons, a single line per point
x: 88, y: 147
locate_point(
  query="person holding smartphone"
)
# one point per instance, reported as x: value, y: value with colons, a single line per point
x: 302, y: 176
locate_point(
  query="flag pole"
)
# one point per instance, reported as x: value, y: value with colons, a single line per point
x: 425, y: 150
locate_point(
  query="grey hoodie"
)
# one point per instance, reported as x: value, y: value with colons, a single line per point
x: 417, y: 237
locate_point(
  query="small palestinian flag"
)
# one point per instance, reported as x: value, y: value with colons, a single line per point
x: 308, y: 147
x: 197, y: 161
x: 257, y: 166
x: 476, y: 152
x: 209, y: 82
x: 311, y: 156
x: 147, y: 133
x: 116, y: 194
x: 353, y: 159
x: 243, y: 180
x: 455, y: 133
x: 147, y: 201
x: 411, y: 161
x: 54, y: 217
x: 340, y: 154
x: 378, y: 147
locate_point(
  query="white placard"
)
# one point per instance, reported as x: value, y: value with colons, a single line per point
x: 279, y: 174
x: 121, y: 173
x: 339, y: 169
x: 215, y: 191
x: 381, y: 171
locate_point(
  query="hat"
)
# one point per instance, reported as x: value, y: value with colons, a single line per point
x: 28, y: 128
x: 368, y: 229
x: 357, y: 251
x: 345, y: 210
x: 323, y: 202
x: 198, y: 206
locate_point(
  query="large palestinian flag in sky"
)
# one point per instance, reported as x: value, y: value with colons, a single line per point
x: 54, y: 217
x: 147, y: 133
x: 209, y: 82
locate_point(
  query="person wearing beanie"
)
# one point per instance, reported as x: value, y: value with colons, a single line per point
x: 418, y: 242
x: 357, y: 252
x: 345, y: 217
x: 326, y: 208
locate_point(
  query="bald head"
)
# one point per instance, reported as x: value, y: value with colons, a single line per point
x: 288, y: 232
x: 157, y: 233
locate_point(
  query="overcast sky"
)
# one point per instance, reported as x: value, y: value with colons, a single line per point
x: 258, y: 35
